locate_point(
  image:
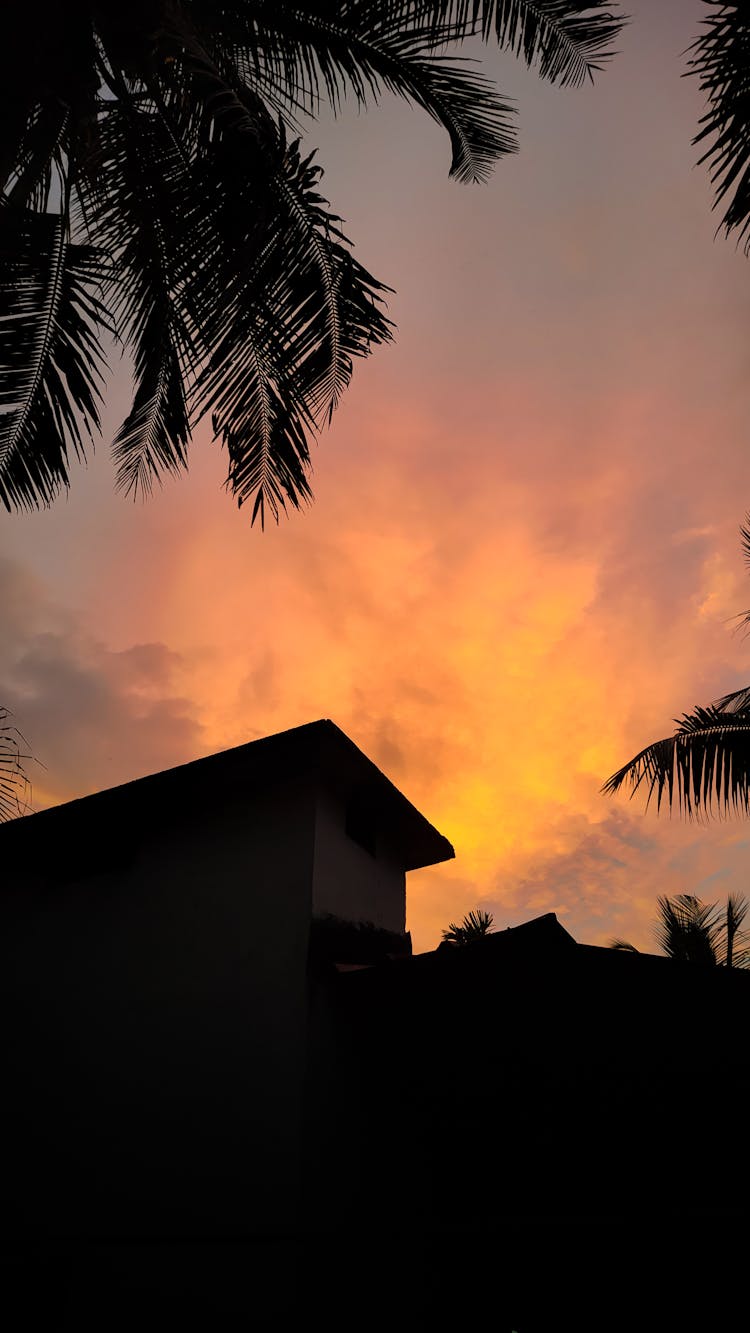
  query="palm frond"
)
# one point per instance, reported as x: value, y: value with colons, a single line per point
x: 688, y: 929
x: 164, y: 130
x: 737, y: 909
x: 744, y: 616
x: 50, y: 350
x: 463, y: 101
x: 697, y: 932
x: 47, y: 74
x: 14, y: 784
x: 474, y: 926
x: 721, y: 61
x: 745, y: 540
x: 735, y: 941
x: 454, y: 934
x: 300, y: 56
x: 295, y: 306
x: 568, y: 42
x: 704, y: 767
x: 143, y: 213
x: 477, y: 922
x: 237, y: 275
x: 30, y: 182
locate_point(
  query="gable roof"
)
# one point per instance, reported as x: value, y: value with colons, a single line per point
x: 317, y: 749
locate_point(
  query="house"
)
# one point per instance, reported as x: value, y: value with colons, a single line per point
x: 230, y: 1087
x: 155, y: 946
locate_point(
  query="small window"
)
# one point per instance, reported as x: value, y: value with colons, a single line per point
x: 360, y: 827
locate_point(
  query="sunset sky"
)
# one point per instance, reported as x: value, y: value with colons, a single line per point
x: 523, y: 557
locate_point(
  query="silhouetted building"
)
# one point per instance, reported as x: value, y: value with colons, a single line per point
x: 230, y: 1086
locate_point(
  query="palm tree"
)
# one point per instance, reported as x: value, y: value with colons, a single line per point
x: 698, y: 932
x: 704, y: 768
x: 721, y: 60
x: 154, y: 190
x: 474, y: 926
x: 14, y: 786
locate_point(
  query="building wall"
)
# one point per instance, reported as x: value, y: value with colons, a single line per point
x: 356, y: 875
x: 155, y: 1026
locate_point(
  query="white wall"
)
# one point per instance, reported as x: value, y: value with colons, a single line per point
x: 348, y: 880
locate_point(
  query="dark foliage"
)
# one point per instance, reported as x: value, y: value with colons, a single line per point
x: 474, y: 926
x: 14, y: 785
x: 704, y: 768
x: 154, y: 188
x: 721, y: 60
x: 333, y: 940
x: 698, y: 932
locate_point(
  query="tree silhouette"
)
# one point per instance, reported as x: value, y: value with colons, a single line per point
x: 698, y: 932
x: 474, y: 926
x: 721, y: 60
x: 14, y: 785
x: 705, y: 766
x: 154, y: 189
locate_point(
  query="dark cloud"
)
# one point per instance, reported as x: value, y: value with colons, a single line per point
x: 92, y: 717
x: 604, y: 863
x: 24, y: 606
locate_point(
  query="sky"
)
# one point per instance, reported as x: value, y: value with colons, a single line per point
x: 523, y: 558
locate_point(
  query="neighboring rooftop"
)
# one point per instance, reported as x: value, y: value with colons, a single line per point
x: 543, y: 945
x: 316, y: 749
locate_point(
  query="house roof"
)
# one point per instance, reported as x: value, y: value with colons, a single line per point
x: 317, y: 749
x: 543, y: 947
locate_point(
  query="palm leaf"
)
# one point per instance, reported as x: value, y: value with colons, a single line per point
x: 475, y: 925
x: 744, y: 616
x: 300, y: 55
x: 703, y: 768
x: 31, y: 180
x: 697, y: 932
x: 50, y: 350
x: 231, y: 279
x: 568, y: 42
x: 477, y: 922
x: 689, y: 929
x: 48, y: 76
x: 239, y: 270
x: 143, y: 213
x: 295, y: 307
x: 14, y: 785
x: 454, y: 934
x: 736, y: 952
x: 721, y: 61
x: 737, y: 909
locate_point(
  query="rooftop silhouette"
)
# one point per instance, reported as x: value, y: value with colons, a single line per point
x: 220, y: 1045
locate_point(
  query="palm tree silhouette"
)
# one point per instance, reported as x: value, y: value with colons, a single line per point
x: 474, y: 926
x: 704, y: 768
x: 698, y: 932
x: 154, y: 189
